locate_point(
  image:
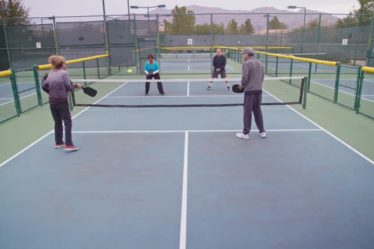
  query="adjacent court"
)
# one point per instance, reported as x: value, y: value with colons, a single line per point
x: 179, y: 178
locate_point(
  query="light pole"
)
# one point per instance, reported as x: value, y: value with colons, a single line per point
x: 304, y: 8
x: 148, y: 7
x: 128, y: 9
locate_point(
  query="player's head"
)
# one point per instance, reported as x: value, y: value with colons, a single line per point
x: 248, y: 53
x: 219, y: 51
x: 58, y: 62
x: 150, y: 57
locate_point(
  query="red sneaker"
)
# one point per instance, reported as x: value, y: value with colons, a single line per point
x: 71, y: 148
x: 59, y: 146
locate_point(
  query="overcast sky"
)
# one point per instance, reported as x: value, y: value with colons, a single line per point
x: 92, y: 7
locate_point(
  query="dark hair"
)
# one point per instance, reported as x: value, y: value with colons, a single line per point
x: 150, y: 56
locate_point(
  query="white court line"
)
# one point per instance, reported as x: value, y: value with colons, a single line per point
x: 7, y: 84
x: 177, y: 96
x: 50, y: 132
x: 190, y: 131
x: 326, y: 131
x: 188, y: 88
x: 230, y: 68
x: 183, y: 224
x: 5, y: 98
x: 22, y: 97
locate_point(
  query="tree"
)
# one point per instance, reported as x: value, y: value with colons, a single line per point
x: 207, y: 29
x: 276, y: 24
x: 362, y: 16
x: 183, y: 22
x: 13, y: 12
x: 232, y: 27
x: 247, y: 28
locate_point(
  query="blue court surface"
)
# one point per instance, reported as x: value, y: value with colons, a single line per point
x: 24, y: 90
x: 179, y: 178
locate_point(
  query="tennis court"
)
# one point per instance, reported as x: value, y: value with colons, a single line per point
x: 179, y: 178
x: 191, y: 63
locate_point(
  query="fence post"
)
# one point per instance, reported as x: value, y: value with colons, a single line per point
x: 357, y: 86
x: 55, y: 35
x: 6, y: 44
x: 309, y: 74
x: 17, y: 103
x: 98, y: 68
x: 291, y: 70
x: 370, y: 42
x: 337, y: 82
x: 305, y: 90
x: 37, y: 85
x: 106, y: 38
x: 138, y: 70
x: 84, y: 71
x: 318, y: 38
x: 276, y: 66
x: 361, y: 83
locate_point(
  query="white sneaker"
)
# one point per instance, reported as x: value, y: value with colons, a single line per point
x: 263, y: 134
x: 242, y: 135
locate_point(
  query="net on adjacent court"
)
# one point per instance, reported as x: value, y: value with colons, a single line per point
x: 190, y: 93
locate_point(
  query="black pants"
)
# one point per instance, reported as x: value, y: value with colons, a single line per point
x: 60, y: 112
x: 252, y: 103
x: 159, y: 84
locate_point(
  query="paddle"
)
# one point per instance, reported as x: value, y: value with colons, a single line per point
x: 89, y: 91
x: 237, y: 88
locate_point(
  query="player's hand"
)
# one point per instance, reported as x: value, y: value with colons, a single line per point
x: 218, y: 69
x: 240, y: 87
x: 77, y: 85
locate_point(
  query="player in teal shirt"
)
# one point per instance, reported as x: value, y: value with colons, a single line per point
x: 152, y: 71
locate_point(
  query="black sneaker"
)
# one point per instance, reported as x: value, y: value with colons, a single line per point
x: 209, y: 88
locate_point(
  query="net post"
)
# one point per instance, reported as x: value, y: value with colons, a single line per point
x: 309, y: 74
x: 291, y: 71
x: 37, y: 85
x: 358, y: 78
x: 98, y: 68
x: 276, y: 66
x: 17, y: 103
x: 304, y: 84
x: 84, y: 71
x: 337, y: 82
x: 361, y: 83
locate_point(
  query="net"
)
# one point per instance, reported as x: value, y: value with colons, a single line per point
x: 192, y: 93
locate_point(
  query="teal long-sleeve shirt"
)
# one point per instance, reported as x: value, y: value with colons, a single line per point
x: 154, y: 67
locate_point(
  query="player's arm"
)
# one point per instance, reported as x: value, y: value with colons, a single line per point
x: 224, y: 62
x: 146, y: 68
x: 45, y: 84
x: 245, y: 75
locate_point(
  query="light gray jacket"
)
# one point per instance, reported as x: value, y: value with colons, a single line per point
x: 252, y: 75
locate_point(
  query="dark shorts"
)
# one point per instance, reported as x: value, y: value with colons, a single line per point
x: 215, y: 74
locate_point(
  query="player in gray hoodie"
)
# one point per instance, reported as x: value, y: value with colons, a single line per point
x: 57, y: 85
x: 252, y: 80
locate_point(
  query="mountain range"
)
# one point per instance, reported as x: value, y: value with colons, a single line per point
x: 222, y: 16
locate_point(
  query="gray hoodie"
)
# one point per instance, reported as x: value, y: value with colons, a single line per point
x: 57, y: 85
x: 252, y: 75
